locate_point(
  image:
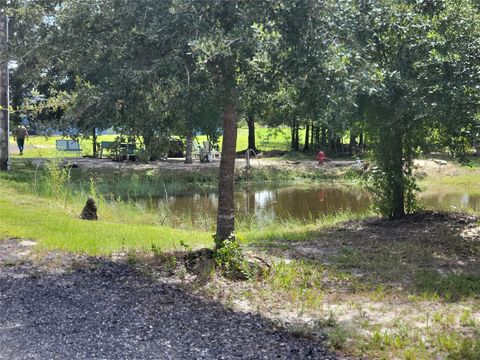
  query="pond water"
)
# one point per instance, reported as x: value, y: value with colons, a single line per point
x: 441, y: 199
x: 275, y: 203
x: 304, y: 203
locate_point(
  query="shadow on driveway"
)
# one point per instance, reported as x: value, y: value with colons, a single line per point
x: 107, y: 311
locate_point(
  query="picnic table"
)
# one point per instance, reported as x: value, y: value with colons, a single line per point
x: 118, y: 149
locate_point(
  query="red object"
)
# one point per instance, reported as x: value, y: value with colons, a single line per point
x: 321, y: 157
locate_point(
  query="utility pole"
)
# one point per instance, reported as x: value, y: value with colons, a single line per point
x: 4, y: 93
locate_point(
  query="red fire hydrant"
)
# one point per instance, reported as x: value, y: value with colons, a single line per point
x: 321, y: 157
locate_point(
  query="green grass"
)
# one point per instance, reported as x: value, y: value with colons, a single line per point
x: 57, y: 228
x: 57, y: 232
x: 267, y: 139
x: 45, y: 146
x: 290, y: 230
x: 452, y: 287
x: 469, y: 180
x: 454, y: 177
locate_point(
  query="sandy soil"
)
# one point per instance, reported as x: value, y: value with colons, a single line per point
x: 425, y: 166
x: 178, y: 164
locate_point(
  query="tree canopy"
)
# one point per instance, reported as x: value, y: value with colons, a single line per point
x: 403, y: 74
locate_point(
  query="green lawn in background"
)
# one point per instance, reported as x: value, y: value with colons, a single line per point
x: 41, y: 146
x: 267, y: 139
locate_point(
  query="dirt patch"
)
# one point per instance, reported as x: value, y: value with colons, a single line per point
x: 178, y: 164
x: 433, y: 167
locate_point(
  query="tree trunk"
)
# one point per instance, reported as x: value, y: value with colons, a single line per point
x: 312, y: 136
x: 306, y: 147
x: 324, y: 138
x: 226, y: 182
x: 398, y: 177
x: 294, y: 124
x: 94, y: 145
x: 147, y: 142
x: 188, y: 149
x: 360, y: 140
x: 317, y: 137
x: 251, y: 132
x: 295, y: 139
x: 331, y: 141
x: 353, y: 142
x: 353, y: 138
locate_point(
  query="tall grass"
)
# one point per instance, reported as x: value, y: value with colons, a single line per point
x: 266, y: 233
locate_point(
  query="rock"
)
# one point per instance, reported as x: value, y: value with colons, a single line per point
x: 27, y: 243
x: 89, y: 211
x: 420, y: 174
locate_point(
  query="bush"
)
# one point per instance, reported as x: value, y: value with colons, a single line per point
x: 231, y: 259
x: 58, y: 176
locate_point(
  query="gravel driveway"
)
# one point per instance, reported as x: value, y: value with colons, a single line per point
x: 105, y: 310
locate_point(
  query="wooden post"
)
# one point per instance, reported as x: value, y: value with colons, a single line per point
x: 251, y: 133
x: 94, y: 137
x: 189, y: 148
x: 4, y: 93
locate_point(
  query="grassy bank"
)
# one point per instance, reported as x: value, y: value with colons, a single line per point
x: 45, y: 206
x: 58, y: 227
x: 134, y: 183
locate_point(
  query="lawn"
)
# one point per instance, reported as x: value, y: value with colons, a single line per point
x: 267, y: 139
x: 41, y: 146
x: 54, y: 222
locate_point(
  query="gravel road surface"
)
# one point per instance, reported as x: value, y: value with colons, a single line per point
x: 99, y: 309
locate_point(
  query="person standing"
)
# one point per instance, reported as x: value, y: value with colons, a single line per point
x: 20, y: 133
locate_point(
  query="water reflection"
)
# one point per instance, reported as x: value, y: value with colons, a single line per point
x: 439, y: 199
x: 304, y: 203
x: 280, y: 203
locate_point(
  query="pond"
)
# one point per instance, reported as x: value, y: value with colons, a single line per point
x: 303, y: 202
x: 456, y: 199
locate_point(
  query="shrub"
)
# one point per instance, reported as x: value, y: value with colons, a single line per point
x: 231, y: 259
x: 58, y: 176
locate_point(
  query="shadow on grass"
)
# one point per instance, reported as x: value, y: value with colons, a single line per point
x: 427, y: 254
